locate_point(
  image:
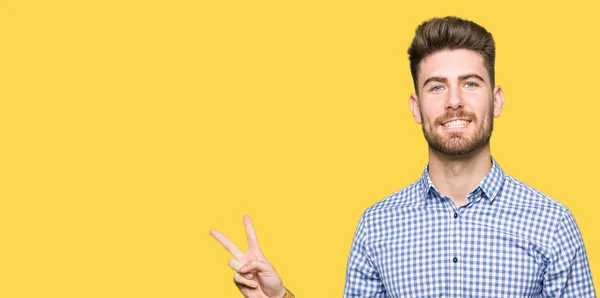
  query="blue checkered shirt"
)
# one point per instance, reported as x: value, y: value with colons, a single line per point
x: 509, y: 240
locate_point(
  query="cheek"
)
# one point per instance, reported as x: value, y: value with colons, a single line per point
x: 475, y: 97
x: 428, y: 117
x: 432, y: 110
x: 479, y: 105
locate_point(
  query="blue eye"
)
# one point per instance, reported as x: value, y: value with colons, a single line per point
x: 470, y: 85
x: 437, y: 88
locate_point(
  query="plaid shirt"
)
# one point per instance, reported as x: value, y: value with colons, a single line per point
x: 509, y: 240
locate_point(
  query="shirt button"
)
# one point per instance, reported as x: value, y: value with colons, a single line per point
x: 455, y: 260
x: 455, y: 215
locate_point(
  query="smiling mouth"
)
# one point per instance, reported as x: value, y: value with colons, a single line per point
x: 456, y: 123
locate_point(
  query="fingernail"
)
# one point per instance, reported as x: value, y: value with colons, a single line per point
x: 244, y: 268
x: 254, y: 284
x: 249, y: 275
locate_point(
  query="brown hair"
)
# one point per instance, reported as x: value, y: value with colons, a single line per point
x: 451, y: 33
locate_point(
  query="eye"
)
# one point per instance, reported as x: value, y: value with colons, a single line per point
x: 436, y: 88
x: 471, y: 85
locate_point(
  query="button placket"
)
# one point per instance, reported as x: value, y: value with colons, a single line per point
x: 458, y: 233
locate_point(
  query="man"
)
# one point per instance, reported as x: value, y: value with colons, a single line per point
x: 465, y: 228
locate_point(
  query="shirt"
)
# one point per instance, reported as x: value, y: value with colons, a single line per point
x: 509, y: 240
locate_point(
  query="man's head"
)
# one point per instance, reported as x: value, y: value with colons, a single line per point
x: 452, y: 63
x: 451, y: 33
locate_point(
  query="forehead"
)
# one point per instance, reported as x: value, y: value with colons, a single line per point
x: 452, y: 64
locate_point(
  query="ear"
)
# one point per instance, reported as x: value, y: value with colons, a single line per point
x: 498, y: 101
x: 414, y: 107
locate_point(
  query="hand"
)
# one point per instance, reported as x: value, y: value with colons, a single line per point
x: 255, y: 277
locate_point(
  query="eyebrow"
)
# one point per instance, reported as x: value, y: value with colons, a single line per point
x: 460, y: 78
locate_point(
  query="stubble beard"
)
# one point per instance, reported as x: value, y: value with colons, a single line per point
x: 457, y: 144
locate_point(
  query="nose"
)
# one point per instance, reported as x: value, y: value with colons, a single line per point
x: 454, y: 100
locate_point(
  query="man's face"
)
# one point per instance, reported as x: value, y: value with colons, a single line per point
x: 456, y: 102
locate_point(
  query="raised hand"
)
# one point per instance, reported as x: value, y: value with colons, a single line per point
x: 255, y: 277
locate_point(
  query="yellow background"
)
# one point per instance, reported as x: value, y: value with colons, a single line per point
x: 131, y: 128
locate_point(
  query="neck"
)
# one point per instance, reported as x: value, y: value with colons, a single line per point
x: 456, y: 176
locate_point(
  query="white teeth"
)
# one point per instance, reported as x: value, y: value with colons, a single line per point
x: 456, y: 123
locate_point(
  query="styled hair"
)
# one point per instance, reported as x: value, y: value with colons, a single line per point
x: 450, y: 33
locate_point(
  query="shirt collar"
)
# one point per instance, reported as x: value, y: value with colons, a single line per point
x: 490, y: 184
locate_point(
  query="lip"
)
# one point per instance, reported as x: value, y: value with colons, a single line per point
x: 455, y: 119
x: 468, y: 122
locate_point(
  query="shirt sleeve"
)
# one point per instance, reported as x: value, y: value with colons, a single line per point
x: 362, y: 277
x: 568, y: 274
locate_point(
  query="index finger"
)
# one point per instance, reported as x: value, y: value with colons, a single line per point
x: 250, y: 234
x: 229, y: 246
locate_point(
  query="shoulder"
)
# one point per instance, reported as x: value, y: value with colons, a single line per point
x: 408, y: 197
x: 545, y: 220
x: 517, y: 194
x: 537, y: 216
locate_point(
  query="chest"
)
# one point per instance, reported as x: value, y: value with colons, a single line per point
x: 448, y: 253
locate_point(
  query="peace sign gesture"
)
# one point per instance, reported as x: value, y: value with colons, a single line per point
x: 255, y: 277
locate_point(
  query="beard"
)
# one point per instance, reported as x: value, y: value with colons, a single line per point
x: 457, y: 143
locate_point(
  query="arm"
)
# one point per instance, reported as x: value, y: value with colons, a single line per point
x: 568, y: 273
x: 362, y: 277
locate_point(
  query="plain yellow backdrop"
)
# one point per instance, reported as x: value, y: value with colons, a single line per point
x: 129, y: 129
